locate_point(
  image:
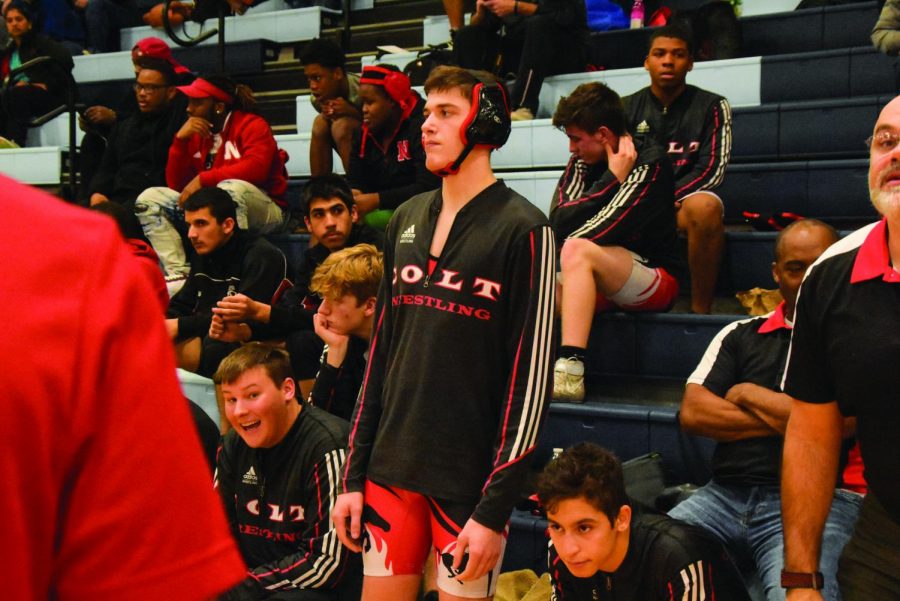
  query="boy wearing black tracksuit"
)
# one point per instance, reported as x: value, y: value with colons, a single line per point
x: 440, y: 441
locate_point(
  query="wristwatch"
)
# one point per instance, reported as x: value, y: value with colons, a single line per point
x: 813, y: 580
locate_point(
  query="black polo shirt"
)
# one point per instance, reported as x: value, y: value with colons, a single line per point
x: 846, y: 348
x: 750, y: 350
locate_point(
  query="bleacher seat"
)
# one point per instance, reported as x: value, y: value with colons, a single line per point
x: 526, y: 546
x: 629, y: 431
x: 660, y: 345
x: 37, y: 166
x: 748, y: 261
x: 293, y: 246
x: 53, y: 133
x: 843, y: 73
x: 297, y: 147
x: 831, y: 190
x: 200, y: 390
x: 240, y: 57
x: 754, y: 133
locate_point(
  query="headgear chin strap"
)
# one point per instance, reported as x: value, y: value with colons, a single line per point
x: 487, y: 123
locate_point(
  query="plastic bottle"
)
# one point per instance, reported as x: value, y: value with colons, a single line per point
x: 637, y: 14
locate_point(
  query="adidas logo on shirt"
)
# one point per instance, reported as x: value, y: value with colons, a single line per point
x: 250, y: 477
x: 643, y: 127
x: 408, y: 236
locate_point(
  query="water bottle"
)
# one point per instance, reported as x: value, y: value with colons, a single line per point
x: 637, y: 14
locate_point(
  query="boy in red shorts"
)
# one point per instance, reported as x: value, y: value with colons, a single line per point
x: 458, y: 376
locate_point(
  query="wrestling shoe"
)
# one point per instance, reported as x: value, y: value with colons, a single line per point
x: 568, y: 380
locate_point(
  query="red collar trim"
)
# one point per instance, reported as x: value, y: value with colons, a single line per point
x: 873, y: 259
x: 775, y: 321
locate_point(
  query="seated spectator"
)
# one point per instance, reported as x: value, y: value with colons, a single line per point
x: 614, y: 211
x: 602, y: 549
x: 222, y: 144
x: 106, y: 18
x: 886, y: 33
x: 138, y: 146
x: 734, y: 397
x: 228, y: 261
x: 331, y: 218
x: 140, y: 248
x: 695, y: 127
x: 62, y: 21
x: 277, y: 474
x: 531, y: 39
x: 41, y: 88
x: 334, y: 94
x: 97, y: 121
x: 347, y: 281
x: 387, y: 164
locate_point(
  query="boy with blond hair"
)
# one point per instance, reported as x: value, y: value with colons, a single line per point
x: 347, y: 281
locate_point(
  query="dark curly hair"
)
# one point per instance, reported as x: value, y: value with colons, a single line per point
x: 588, y: 471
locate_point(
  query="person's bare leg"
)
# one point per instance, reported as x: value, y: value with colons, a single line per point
x: 455, y: 10
x: 700, y: 218
x: 391, y: 588
x: 187, y: 354
x: 586, y: 270
x: 320, y: 145
x: 342, y: 131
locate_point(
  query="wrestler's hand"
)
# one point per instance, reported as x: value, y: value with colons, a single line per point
x: 483, y: 546
x: 347, y: 518
x: 337, y: 343
x: 238, y: 307
x: 622, y: 159
x: 227, y: 331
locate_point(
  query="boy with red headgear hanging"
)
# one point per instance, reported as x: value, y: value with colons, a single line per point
x: 457, y: 382
x: 387, y: 163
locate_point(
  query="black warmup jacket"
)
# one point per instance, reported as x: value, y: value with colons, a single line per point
x: 397, y: 172
x: 695, y: 131
x: 337, y: 388
x: 246, y: 264
x: 638, y: 214
x: 667, y: 560
x: 136, y: 153
x: 458, y: 378
x: 278, y: 502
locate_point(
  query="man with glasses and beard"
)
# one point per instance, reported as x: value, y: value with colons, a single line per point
x: 843, y: 362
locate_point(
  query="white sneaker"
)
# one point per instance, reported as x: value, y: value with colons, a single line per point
x: 521, y: 114
x: 568, y: 380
